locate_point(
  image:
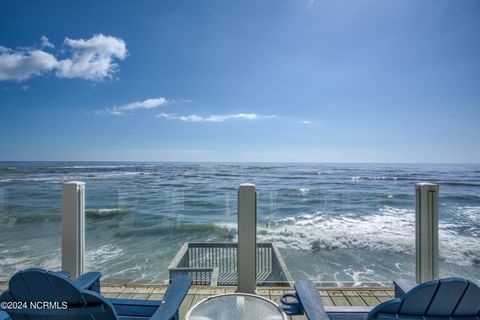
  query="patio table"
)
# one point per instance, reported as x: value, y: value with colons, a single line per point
x: 236, y: 306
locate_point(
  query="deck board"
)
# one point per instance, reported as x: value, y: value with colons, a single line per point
x: 186, y: 305
x: 353, y: 298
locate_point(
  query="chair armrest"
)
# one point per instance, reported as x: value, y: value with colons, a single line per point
x: 173, y: 298
x: 402, y: 286
x: 89, y: 281
x: 310, y: 300
x: 134, y: 307
x: 64, y: 273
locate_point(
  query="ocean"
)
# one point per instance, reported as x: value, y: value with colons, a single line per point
x: 340, y: 223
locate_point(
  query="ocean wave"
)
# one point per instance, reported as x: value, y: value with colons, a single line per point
x: 102, y: 254
x: 98, y: 167
x: 119, y: 174
x: 49, y: 179
x: 212, y: 230
x: 223, y: 174
x: 390, y: 229
x: 106, y: 213
x: 358, y: 275
x: 459, y: 183
x: 22, y: 257
x: 58, y: 178
x: 94, y: 214
x: 261, y: 167
x: 462, y: 197
x: 470, y: 212
x: 300, y: 177
x: 326, y: 172
x: 303, y: 190
x: 37, y: 218
x: 359, y: 178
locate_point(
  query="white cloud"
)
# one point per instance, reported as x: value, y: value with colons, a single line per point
x: 308, y: 122
x: 145, y: 104
x: 213, y: 118
x: 91, y: 59
x: 46, y: 43
x: 21, y: 65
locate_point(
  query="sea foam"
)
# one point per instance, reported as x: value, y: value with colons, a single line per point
x: 389, y: 229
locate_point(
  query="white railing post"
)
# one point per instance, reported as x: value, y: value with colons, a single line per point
x: 73, y: 227
x: 426, y: 240
x: 247, y: 238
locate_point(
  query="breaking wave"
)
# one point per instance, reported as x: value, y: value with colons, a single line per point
x: 212, y: 230
x: 389, y: 229
x: 93, y: 214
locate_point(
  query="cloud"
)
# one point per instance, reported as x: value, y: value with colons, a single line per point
x: 145, y: 104
x: 46, y: 43
x: 213, y: 118
x: 308, y: 122
x: 23, y: 65
x: 91, y: 59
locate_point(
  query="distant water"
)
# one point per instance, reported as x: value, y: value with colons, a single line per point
x: 332, y: 222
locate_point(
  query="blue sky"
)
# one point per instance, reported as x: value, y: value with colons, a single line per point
x: 293, y: 80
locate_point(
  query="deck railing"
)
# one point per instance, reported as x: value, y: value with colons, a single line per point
x: 216, y: 263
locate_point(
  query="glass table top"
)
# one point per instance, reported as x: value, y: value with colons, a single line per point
x: 236, y: 306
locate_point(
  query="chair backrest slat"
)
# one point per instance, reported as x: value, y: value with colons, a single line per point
x: 449, y: 299
x: 417, y: 301
x: 40, y: 285
x: 449, y: 294
x: 470, y: 303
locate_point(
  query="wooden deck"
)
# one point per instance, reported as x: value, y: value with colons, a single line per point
x: 332, y: 297
x: 338, y: 297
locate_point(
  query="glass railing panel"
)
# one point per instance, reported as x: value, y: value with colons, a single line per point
x: 333, y: 223
x: 30, y: 219
x: 138, y: 219
x: 355, y: 224
x: 459, y: 221
x: 341, y: 224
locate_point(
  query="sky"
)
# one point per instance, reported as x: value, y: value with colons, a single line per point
x: 240, y: 81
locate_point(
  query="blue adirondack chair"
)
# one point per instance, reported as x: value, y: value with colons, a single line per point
x: 83, y: 298
x: 444, y: 299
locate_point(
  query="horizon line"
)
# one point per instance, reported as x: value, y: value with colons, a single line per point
x: 237, y: 162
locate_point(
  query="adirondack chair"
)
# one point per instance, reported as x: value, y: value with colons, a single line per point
x: 83, y: 298
x: 445, y: 299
